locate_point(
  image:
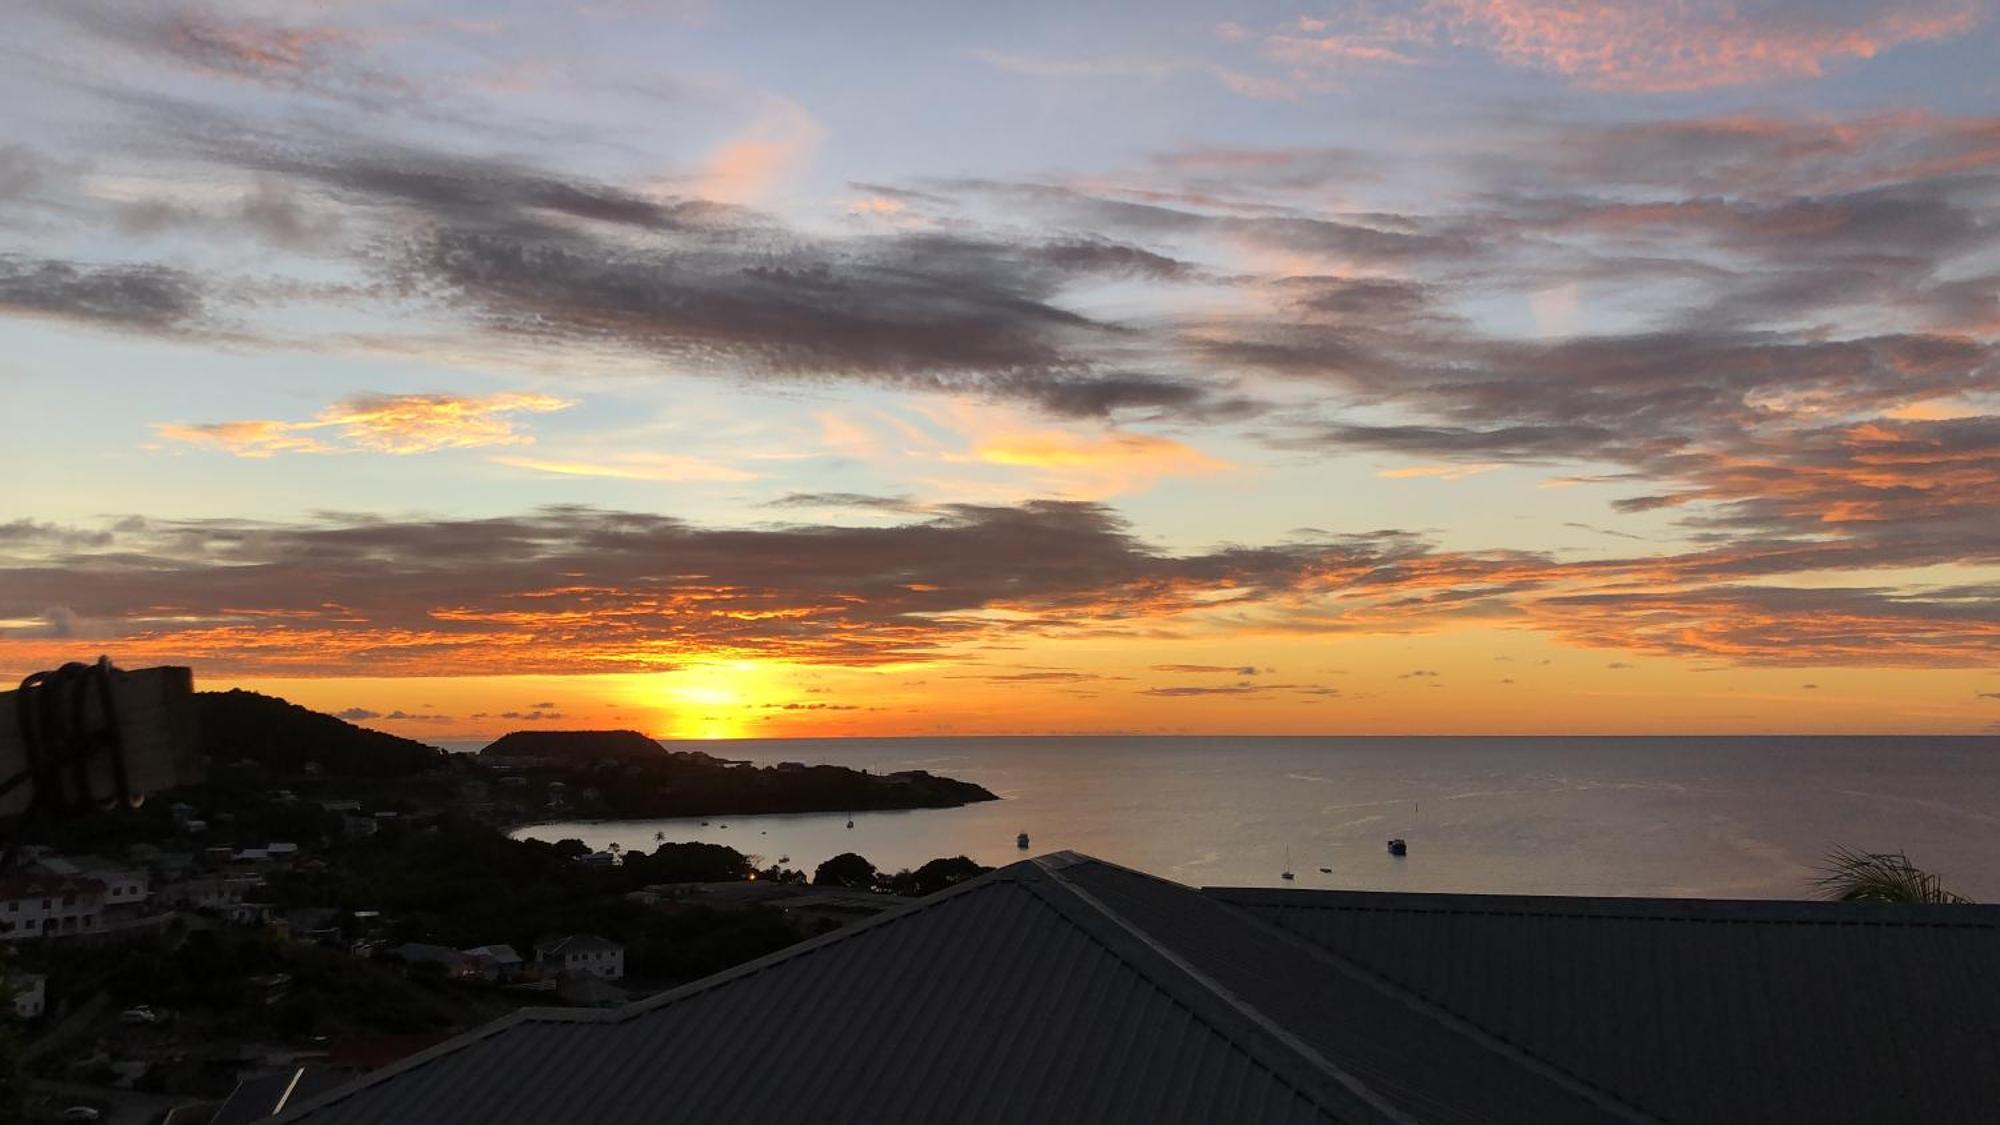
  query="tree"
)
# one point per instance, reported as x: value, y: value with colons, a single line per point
x: 692, y: 862
x: 934, y: 876
x: 845, y: 870
x: 1851, y: 876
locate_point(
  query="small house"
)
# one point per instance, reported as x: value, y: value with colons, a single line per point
x: 580, y: 954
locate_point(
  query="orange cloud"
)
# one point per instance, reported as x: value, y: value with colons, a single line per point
x: 253, y: 438
x: 1438, y: 472
x: 749, y: 167
x: 1096, y: 465
x: 401, y: 424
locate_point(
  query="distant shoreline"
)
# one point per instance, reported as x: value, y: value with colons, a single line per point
x: 597, y: 821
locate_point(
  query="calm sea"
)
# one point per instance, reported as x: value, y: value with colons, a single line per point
x: 1717, y: 817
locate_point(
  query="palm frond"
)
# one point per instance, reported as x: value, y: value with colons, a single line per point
x: 1853, y: 876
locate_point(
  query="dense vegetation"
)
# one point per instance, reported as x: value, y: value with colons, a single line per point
x: 216, y: 983
x: 625, y: 783
x: 469, y: 885
x: 856, y: 873
x: 283, y: 737
x: 575, y: 744
x: 13, y: 1076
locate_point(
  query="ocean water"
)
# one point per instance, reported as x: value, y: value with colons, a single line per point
x: 1707, y: 817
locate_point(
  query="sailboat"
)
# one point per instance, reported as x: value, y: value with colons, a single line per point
x: 1286, y: 874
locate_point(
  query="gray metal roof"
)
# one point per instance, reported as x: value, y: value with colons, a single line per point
x: 1709, y: 1011
x: 1011, y: 998
x: 1067, y: 989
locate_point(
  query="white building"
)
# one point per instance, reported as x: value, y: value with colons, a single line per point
x: 37, y: 905
x: 584, y: 954
x: 123, y: 886
x: 214, y: 892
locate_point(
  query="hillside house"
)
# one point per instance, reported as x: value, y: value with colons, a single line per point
x: 36, y: 904
x: 579, y: 954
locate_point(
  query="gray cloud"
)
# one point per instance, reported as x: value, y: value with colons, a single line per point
x: 146, y: 297
x: 901, y: 504
x: 572, y: 589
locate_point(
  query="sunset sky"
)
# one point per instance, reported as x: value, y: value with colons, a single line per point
x: 726, y: 370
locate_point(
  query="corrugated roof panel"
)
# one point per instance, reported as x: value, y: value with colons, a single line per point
x: 1697, y: 1010
x: 1424, y: 1066
x: 988, y: 1004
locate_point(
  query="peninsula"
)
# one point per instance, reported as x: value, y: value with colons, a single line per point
x: 622, y: 774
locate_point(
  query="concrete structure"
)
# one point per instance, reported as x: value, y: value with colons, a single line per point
x: 497, y: 962
x: 1067, y: 989
x: 456, y: 964
x: 582, y: 953
x: 211, y: 892
x: 36, y: 904
x: 124, y: 887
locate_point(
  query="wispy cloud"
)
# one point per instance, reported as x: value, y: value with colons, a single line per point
x: 1632, y: 46
x: 632, y: 466
x: 1091, y: 467
x: 751, y: 166
x: 400, y: 424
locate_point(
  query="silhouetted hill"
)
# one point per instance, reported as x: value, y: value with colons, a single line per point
x: 624, y: 774
x: 575, y: 745
x: 284, y: 736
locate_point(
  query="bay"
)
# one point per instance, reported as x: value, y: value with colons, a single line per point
x: 1704, y: 817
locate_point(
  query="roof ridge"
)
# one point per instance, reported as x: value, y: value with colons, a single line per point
x: 1446, y: 1017
x: 1330, y: 1075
